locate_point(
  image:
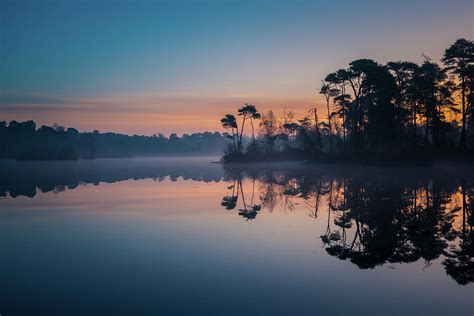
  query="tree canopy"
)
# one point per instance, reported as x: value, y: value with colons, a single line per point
x: 399, y: 111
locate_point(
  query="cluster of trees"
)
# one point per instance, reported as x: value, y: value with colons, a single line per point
x: 399, y: 110
x: 23, y: 141
x: 392, y: 218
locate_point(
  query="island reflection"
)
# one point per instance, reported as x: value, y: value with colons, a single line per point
x: 375, y: 215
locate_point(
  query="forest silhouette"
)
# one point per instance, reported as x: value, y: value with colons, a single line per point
x: 400, y: 111
x: 23, y: 141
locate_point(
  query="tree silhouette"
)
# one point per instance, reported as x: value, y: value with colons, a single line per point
x: 341, y: 100
x: 400, y: 112
x: 268, y: 129
x: 247, y: 111
x: 458, y: 58
x: 329, y: 92
x: 315, y: 144
x: 406, y: 110
x: 229, y: 121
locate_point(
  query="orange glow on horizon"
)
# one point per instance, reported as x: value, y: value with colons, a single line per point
x: 144, y: 115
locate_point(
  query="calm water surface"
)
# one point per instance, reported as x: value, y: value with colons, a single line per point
x: 188, y: 237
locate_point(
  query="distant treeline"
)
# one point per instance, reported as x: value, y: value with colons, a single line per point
x: 24, y: 141
x: 373, y: 112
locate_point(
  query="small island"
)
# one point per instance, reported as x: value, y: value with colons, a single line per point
x: 400, y: 112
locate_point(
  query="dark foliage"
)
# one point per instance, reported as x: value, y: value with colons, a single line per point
x: 23, y: 141
x: 395, y: 113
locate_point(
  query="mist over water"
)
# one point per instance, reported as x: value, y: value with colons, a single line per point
x: 187, y: 236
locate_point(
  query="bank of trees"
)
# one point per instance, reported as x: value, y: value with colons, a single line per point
x: 400, y: 110
x: 24, y: 141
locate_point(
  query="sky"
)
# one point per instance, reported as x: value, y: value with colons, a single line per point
x: 146, y: 67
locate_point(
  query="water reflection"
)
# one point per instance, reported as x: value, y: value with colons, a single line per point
x: 249, y: 210
x: 372, y: 216
x: 375, y: 216
x: 27, y: 178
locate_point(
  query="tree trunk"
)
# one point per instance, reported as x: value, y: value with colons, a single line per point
x: 464, y: 207
x: 253, y: 135
x: 462, y: 141
x: 234, y: 140
x: 343, y: 89
x: 414, y: 125
x: 344, y: 131
x: 356, y: 116
x: 329, y: 124
x: 241, y: 133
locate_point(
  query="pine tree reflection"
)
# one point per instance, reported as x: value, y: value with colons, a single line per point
x: 375, y: 220
x: 459, y: 262
x: 249, y: 210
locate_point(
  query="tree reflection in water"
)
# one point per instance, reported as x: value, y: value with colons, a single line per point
x: 375, y: 216
x: 249, y: 210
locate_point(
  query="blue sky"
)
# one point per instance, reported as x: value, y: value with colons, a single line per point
x: 76, y: 62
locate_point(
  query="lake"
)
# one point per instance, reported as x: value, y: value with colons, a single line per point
x: 182, y: 236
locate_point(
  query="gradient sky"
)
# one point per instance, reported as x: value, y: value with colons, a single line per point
x: 177, y: 66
